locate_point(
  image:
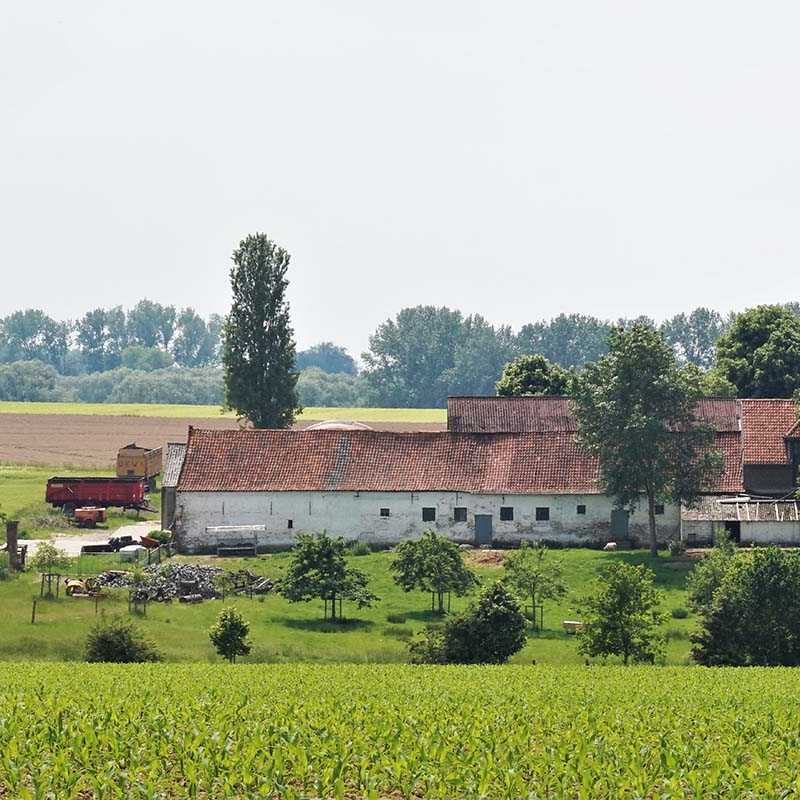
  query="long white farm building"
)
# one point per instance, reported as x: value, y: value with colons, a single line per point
x: 507, y: 469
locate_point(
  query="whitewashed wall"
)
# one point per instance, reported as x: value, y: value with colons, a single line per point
x: 770, y: 532
x: 357, y: 516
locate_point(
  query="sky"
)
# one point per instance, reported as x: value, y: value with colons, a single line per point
x: 514, y: 159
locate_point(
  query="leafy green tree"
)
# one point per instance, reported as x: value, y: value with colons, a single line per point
x: 259, y: 350
x: 119, y: 641
x: 711, y: 383
x: 409, y: 357
x: 622, y: 617
x: 693, y: 337
x: 229, y: 634
x: 760, y: 352
x: 328, y: 357
x: 635, y: 408
x: 196, y: 343
x: 101, y: 337
x: 489, y: 632
x: 318, y: 570
x: 49, y: 558
x: 533, y: 573
x: 432, y: 564
x: 532, y: 375
x: 754, y: 616
x: 707, y: 575
x: 145, y: 359
x: 567, y: 340
x: 31, y: 335
x: 151, y: 324
x: 318, y: 388
x: 28, y: 381
x: 479, y: 357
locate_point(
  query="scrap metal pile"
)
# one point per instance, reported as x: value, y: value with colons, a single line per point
x: 188, y: 583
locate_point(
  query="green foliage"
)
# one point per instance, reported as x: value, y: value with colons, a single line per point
x: 621, y: 618
x: 318, y: 570
x: 259, y: 350
x: 432, y: 564
x: 754, y: 615
x: 145, y: 359
x: 760, y: 352
x: 318, y: 388
x: 48, y: 558
x: 229, y: 634
x: 151, y: 325
x: 676, y: 547
x: 327, y: 357
x: 311, y: 731
x: 568, y: 340
x: 31, y: 335
x: 532, y: 375
x: 707, y: 576
x: 118, y: 640
x: 679, y: 612
x: 30, y: 381
x: 693, y: 337
x: 409, y: 356
x: 359, y: 548
x: 489, y: 632
x: 635, y: 408
x: 196, y: 342
x: 534, y: 573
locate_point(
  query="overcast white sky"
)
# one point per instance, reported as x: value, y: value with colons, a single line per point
x: 517, y: 159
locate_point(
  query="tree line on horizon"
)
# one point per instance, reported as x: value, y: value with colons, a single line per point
x: 159, y: 353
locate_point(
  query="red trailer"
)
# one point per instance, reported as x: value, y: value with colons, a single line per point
x: 72, y: 493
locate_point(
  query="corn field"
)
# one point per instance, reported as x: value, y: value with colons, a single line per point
x: 304, y: 731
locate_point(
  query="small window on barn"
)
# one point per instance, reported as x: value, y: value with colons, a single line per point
x: 384, y: 512
x: 460, y: 514
x: 542, y: 514
x: 291, y: 524
x: 580, y: 509
x: 506, y: 514
x: 429, y: 515
x: 659, y: 508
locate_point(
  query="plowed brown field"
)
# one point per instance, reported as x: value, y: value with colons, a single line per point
x: 79, y: 440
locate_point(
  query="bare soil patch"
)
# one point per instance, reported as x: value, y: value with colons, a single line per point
x: 79, y: 440
x: 486, y: 558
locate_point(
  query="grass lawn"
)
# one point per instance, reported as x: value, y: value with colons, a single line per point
x: 200, y: 411
x: 281, y: 631
x: 22, y: 490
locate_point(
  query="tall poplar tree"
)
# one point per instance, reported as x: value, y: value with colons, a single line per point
x: 259, y: 349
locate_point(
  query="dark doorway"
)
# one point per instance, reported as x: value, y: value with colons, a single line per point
x: 483, y: 529
x: 619, y: 523
x: 734, y: 530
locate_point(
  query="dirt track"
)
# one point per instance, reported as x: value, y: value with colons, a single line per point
x: 85, y: 441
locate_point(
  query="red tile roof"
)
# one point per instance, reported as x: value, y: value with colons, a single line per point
x: 765, y: 426
x: 510, y: 414
x: 522, y: 414
x: 730, y: 480
x: 381, y: 461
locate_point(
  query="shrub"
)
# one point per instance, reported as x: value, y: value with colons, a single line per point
x: 622, y: 616
x: 48, y: 558
x: 490, y: 632
x: 358, y: 548
x: 680, y: 612
x: 229, y: 634
x: 754, y: 616
x: 706, y: 577
x: 119, y: 641
x: 162, y: 537
x: 676, y: 547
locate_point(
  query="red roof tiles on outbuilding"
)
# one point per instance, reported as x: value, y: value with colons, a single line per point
x: 765, y: 426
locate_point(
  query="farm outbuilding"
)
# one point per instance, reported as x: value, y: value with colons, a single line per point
x: 506, y: 470
x: 176, y: 452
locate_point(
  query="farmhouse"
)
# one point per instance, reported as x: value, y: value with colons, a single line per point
x: 507, y: 469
